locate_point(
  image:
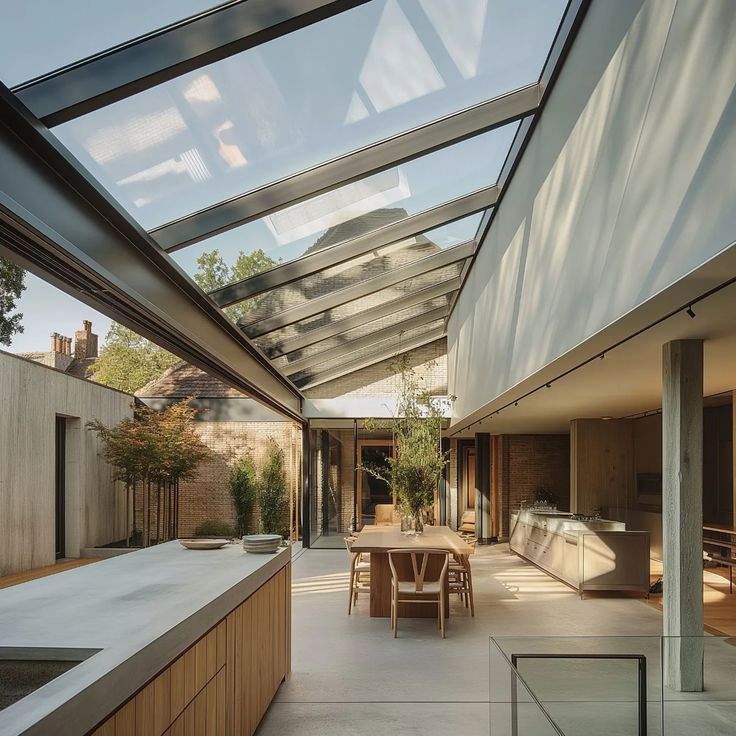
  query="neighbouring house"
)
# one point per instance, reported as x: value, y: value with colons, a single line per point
x: 57, y: 493
x: 73, y: 360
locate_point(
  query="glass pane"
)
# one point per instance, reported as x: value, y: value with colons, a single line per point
x: 357, y: 270
x: 362, y: 331
x: 40, y: 36
x: 392, y: 344
x: 358, y: 305
x: 315, y: 94
x: 352, y: 210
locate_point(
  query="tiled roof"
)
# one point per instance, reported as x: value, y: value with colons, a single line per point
x: 184, y: 380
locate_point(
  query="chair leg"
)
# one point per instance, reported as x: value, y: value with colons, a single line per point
x: 396, y: 616
x: 470, y: 590
x: 442, y: 613
x: 352, y: 588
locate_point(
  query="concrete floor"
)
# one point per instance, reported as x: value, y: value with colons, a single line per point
x: 350, y: 677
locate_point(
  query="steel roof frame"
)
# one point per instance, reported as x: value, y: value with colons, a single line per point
x: 384, y: 354
x: 58, y: 222
x: 387, y: 235
x: 350, y: 346
x: 320, y: 304
x: 318, y: 334
x: 350, y: 167
x: 167, y: 53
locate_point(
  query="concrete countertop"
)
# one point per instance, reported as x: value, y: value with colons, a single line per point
x: 141, y: 610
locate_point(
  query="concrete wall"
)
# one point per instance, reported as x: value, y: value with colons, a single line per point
x: 626, y: 186
x: 31, y: 396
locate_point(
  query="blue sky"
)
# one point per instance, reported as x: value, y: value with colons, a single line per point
x: 46, y: 309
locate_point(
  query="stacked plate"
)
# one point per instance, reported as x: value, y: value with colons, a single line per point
x: 262, y: 543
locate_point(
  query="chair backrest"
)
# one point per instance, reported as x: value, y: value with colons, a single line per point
x: 427, y: 565
x: 467, y: 521
x: 386, y: 514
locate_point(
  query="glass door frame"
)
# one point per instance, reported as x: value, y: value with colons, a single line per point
x: 367, y: 442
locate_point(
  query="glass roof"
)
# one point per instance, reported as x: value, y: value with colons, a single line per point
x: 359, y: 152
x: 77, y: 30
x: 364, y: 75
x: 362, y: 206
x: 357, y: 270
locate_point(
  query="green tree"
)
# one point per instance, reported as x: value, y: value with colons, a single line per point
x: 12, y: 280
x: 128, y: 361
x: 244, y: 490
x: 274, y: 498
x: 213, y: 273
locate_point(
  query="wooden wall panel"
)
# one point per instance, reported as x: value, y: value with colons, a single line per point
x: 223, y: 684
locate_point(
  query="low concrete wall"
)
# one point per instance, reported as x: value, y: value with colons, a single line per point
x: 32, y: 396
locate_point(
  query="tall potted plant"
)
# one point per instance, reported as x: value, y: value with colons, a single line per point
x: 415, y: 470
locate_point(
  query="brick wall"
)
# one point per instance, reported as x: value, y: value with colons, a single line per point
x: 207, y: 496
x: 531, y: 461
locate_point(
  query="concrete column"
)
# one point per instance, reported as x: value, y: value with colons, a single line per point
x: 733, y: 445
x: 682, y: 512
x: 483, y: 515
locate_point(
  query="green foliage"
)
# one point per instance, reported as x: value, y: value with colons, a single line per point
x: 12, y: 283
x: 153, y: 445
x: 128, y: 361
x: 274, y: 498
x: 244, y: 490
x: 214, y: 528
x: 213, y: 273
x: 415, y: 470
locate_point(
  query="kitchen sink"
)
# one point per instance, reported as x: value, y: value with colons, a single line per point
x: 26, y: 669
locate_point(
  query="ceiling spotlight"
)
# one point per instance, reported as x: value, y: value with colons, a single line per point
x: 690, y: 312
x: 516, y: 403
x: 603, y: 355
x: 548, y: 385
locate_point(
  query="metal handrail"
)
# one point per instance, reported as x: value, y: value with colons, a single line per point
x: 642, y: 683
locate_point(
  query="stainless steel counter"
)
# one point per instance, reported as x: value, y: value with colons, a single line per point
x: 587, y: 554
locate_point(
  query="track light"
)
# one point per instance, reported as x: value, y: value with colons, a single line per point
x: 548, y: 385
x: 690, y: 312
x: 516, y: 403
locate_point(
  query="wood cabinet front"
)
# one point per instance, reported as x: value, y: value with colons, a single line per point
x: 223, y: 684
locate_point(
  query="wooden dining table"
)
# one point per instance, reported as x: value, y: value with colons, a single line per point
x: 378, y: 540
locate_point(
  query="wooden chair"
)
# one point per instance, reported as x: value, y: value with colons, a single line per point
x: 466, y: 528
x: 460, y: 578
x: 387, y: 515
x: 420, y: 587
x: 360, y: 570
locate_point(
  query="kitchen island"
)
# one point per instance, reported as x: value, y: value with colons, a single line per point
x: 587, y: 553
x: 167, y: 640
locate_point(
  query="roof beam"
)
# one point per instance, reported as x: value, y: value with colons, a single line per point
x: 340, y: 351
x: 59, y: 223
x: 370, y: 286
x: 160, y: 56
x: 395, y: 232
x: 436, y: 291
x: 352, y: 166
x: 385, y: 353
